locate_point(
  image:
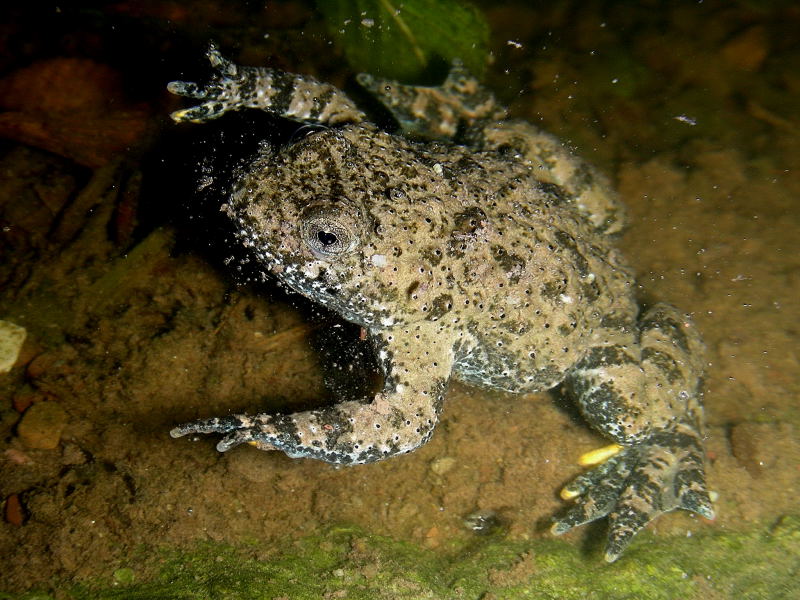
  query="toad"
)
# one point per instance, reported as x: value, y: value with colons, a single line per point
x: 467, y: 246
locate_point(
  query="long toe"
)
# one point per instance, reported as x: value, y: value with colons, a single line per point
x: 624, y: 523
x: 698, y: 502
x: 586, y: 509
x: 241, y: 436
x: 187, y: 89
x: 610, y: 474
x: 215, y: 425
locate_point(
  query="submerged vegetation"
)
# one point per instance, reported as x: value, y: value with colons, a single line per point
x: 410, y: 40
x: 347, y: 562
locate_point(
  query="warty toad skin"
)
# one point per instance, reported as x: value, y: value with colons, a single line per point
x: 488, y: 261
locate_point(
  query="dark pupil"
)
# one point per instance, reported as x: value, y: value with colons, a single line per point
x: 327, y: 238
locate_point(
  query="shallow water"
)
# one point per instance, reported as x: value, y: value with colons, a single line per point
x: 134, y: 322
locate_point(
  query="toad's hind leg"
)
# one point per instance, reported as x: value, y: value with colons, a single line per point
x: 462, y: 109
x: 553, y: 162
x: 436, y: 112
x: 644, y: 394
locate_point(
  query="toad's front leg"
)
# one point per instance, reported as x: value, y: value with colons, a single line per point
x: 397, y: 420
x: 296, y: 97
x: 640, y: 387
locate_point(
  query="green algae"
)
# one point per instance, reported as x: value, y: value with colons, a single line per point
x: 348, y: 562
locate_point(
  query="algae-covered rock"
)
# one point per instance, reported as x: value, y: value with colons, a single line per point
x: 350, y: 563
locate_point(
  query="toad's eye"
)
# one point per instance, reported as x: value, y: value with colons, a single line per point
x: 327, y: 238
x: 330, y: 229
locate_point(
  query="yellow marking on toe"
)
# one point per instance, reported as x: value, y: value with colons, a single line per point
x: 255, y: 444
x: 600, y: 455
x: 178, y: 115
x: 568, y: 494
x: 590, y: 459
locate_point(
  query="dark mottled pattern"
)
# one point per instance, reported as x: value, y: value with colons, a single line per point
x: 488, y: 263
x: 665, y: 362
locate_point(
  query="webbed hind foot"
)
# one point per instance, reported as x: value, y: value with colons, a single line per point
x: 638, y: 484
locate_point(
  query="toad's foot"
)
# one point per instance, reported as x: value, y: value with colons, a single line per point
x: 639, y: 483
x: 308, y: 439
x: 330, y: 434
x: 237, y: 429
x: 346, y: 434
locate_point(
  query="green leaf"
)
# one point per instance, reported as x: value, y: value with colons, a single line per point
x: 412, y: 41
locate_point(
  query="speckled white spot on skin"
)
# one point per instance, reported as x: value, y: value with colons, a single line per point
x: 437, y: 168
x: 379, y: 260
x: 599, y: 372
x: 310, y: 270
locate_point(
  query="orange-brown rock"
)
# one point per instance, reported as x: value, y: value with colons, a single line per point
x: 41, y: 426
x: 73, y: 107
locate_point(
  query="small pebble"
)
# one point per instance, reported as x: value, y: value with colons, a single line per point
x: 11, y: 339
x: 16, y: 457
x: 482, y: 522
x: 41, y: 426
x: 14, y: 513
x: 442, y: 465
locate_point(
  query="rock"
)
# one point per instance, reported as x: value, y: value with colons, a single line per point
x: 16, y: 457
x: 747, y: 50
x: 73, y: 107
x: 27, y: 397
x: 41, y: 426
x: 72, y: 454
x: 11, y: 339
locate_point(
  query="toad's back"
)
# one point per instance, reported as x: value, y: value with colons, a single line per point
x: 470, y: 239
